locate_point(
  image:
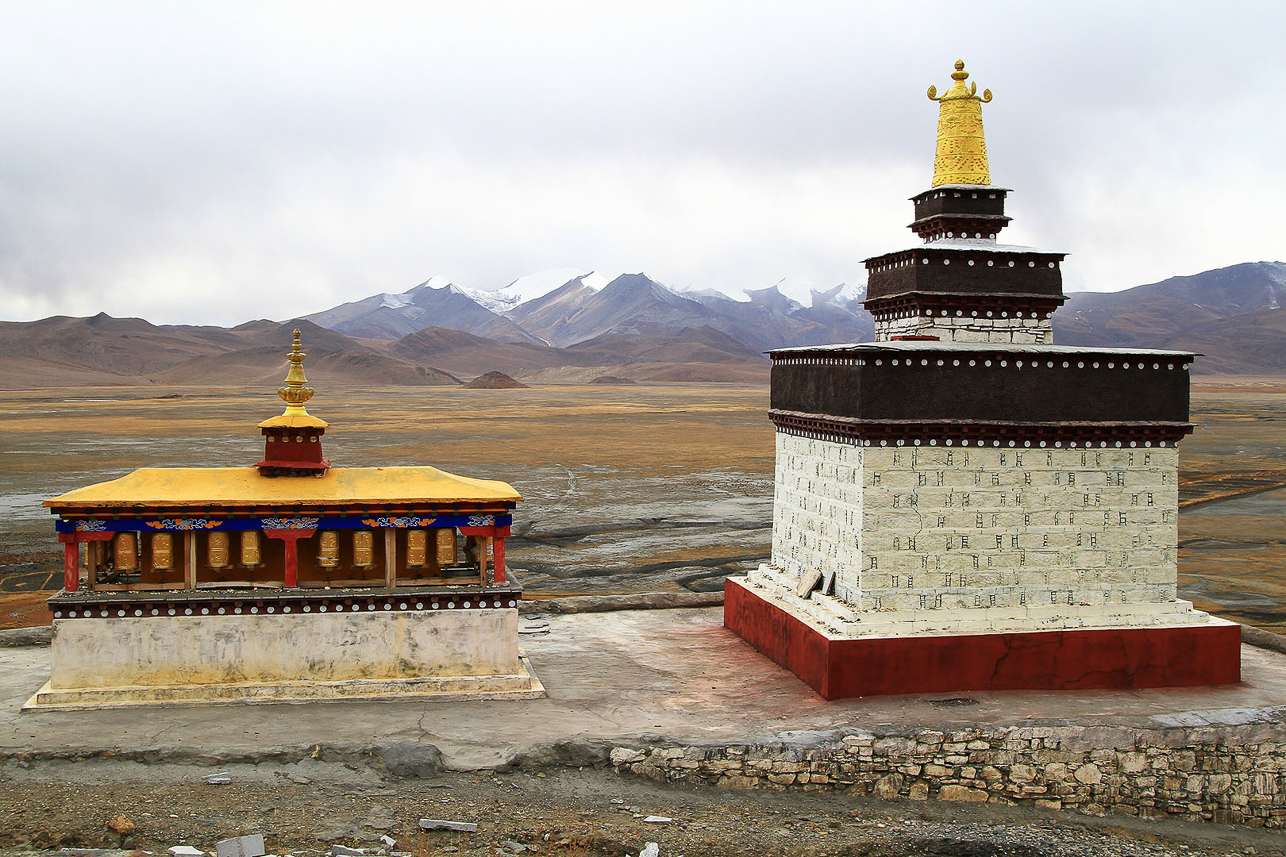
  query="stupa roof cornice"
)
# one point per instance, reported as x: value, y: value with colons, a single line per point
x: 969, y: 187
x: 969, y: 244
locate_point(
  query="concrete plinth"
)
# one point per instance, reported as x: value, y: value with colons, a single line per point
x: 522, y: 684
x: 373, y: 650
x: 844, y: 666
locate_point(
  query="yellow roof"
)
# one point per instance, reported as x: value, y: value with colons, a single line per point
x: 243, y: 486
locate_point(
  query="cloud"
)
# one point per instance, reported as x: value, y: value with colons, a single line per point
x: 210, y: 163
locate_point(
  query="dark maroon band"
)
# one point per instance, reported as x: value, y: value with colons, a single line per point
x: 120, y: 605
x: 980, y: 433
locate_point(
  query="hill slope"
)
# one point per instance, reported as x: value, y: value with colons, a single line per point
x: 105, y: 350
x: 1231, y: 315
x: 1149, y: 314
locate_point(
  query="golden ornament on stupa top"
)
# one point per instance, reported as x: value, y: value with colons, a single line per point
x: 962, y: 150
x: 295, y: 393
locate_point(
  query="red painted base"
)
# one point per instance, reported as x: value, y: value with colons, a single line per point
x: 1037, y: 660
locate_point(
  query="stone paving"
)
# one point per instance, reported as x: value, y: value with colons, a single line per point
x: 635, y: 677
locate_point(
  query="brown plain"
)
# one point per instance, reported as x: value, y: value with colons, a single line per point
x: 653, y: 487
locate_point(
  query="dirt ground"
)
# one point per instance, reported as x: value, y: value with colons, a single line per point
x: 306, y: 808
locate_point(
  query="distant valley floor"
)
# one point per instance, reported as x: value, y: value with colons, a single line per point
x: 627, y: 489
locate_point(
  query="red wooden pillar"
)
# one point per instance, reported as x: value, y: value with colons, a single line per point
x: 498, y: 553
x: 71, y: 556
x: 71, y: 561
x: 497, y: 535
x: 290, y: 538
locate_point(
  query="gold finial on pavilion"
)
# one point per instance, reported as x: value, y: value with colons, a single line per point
x: 962, y: 150
x: 294, y: 394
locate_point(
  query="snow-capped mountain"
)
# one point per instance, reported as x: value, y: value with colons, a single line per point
x: 553, y: 308
x: 437, y: 302
x: 844, y: 295
x: 631, y: 303
x: 533, y: 287
x: 799, y: 291
x: 547, y: 316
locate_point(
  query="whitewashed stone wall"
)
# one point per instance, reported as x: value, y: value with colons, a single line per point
x: 907, y: 529
x: 817, y: 511
x: 1020, y: 331
x: 959, y: 528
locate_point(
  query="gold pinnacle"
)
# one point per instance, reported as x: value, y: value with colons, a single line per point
x: 294, y: 394
x: 961, y: 156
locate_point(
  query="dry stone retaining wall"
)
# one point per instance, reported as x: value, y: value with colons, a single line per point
x: 1222, y: 774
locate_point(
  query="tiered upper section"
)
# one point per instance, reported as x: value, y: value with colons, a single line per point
x: 961, y: 211
x: 960, y: 285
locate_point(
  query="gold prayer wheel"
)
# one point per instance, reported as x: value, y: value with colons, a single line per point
x: 250, y: 555
x: 328, y: 549
x: 216, y: 551
x: 363, y: 549
x: 416, y: 548
x: 162, y: 552
x: 446, y: 545
x: 126, y: 552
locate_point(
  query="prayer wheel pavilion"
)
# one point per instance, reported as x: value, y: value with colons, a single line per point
x: 289, y: 579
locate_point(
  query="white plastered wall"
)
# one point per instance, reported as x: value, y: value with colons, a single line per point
x: 187, y: 650
x: 936, y: 528
x: 817, y: 511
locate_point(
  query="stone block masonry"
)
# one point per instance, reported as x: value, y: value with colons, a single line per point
x: 915, y: 528
x: 968, y: 329
x: 1230, y: 774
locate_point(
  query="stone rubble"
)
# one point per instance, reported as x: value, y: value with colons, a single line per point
x: 122, y: 825
x: 437, y: 824
x: 241, y: 846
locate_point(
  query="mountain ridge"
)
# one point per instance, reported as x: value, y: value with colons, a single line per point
x: 632, y: 327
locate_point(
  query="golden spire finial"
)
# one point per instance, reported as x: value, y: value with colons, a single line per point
x: 294, y: 394
x: 962, y: 150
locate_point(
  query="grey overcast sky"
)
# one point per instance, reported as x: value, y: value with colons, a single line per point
x: 217, y: 162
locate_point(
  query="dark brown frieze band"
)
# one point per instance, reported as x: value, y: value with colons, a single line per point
x: 988, y: 201
x: 964, y: 306
x: 962, y: 226
x: 1034, y: 435
x: 965, y: 269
